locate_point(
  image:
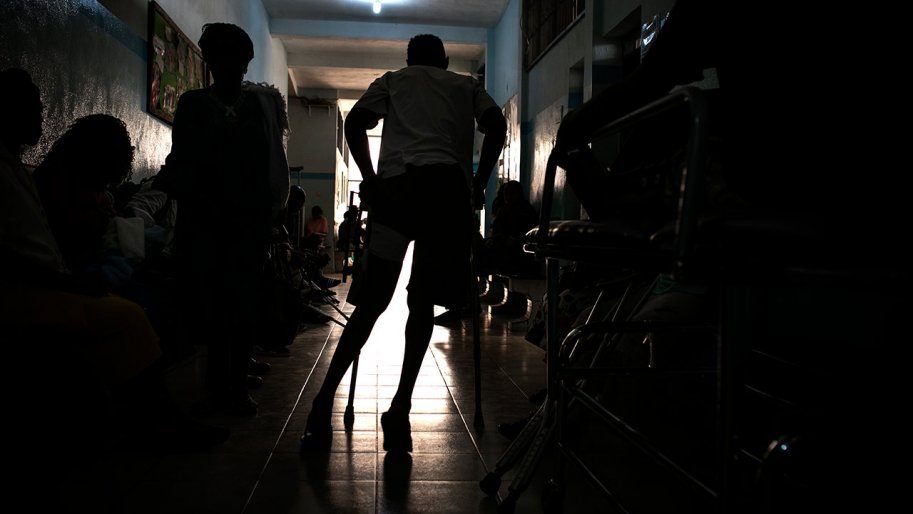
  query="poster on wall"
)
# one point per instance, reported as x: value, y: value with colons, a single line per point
x: 175, y: 65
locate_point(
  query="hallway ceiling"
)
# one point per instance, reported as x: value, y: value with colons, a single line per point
x: 342, y: 45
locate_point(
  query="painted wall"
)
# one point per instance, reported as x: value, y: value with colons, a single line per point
x: 503, y: 76
x: 312, y: 142
x: 545, y: 101
x: 88, y: 59
x: 312, y: 145
x: 503, y: 59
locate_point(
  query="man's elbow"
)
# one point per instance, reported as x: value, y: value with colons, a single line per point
x: 497, y: 131
x: 499, y: 127
x: 360, y: 120
x: 352, y: 132
x: 493, y: 123
x: 352, y: 128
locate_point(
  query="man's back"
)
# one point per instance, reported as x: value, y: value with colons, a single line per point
x: 429, y: 117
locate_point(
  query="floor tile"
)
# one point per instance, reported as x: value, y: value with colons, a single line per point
x: 443, y: 467
x: 331, y: 496
x: 261, y: 470
x: 434, y: 497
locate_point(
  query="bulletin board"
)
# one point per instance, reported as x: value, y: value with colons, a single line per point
x: 175, y: 65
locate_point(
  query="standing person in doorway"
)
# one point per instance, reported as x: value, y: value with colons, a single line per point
x: 425, y: 166
x: 229, y: 173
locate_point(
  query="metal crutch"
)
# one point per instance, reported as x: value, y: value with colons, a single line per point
x: 348, y: 418
x: 478, y: 421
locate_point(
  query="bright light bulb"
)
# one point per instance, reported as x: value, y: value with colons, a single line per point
x: 376, y: 6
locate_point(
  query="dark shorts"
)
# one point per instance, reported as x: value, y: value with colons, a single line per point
x: 429, y: 205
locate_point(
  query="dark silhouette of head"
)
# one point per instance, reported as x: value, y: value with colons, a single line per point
x: 296, y: 199
x: 513, y: 192
x: 316, y: 211
x: 96, y: 150
x: 427, y: 50
x: 351, y: 213
x: 20, y: 110
x: 227, y: 49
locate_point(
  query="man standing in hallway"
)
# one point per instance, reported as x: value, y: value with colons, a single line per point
x: 425, y: 166
x: 229, y: 173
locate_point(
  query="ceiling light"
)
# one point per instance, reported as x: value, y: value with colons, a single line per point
x: 376, y: 6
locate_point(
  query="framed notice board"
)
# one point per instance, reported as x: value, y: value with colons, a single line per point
x: 175, y: 65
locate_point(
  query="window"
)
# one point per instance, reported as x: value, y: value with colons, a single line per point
x: 544, y: 22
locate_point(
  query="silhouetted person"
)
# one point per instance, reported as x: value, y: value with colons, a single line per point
x: 38, y: 288
x: 92, y: 343
x: 84, y: 165
x: 512, y: 216
x: 77, y: 182
x: 229, y: 174
x: 425, y: 166
x: 350, y: 233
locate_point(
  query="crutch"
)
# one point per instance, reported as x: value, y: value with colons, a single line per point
x: 323, y: 295
x: 313, y: 285
x: 478, y: 421
x: 348, y: 418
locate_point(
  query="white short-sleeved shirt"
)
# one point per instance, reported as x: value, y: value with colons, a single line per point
x: 429, y: 117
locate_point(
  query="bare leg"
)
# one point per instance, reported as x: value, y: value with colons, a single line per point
x: 379, y: 289
x: 353, y: 338
x: 395, y: 422
x: 419, y: 326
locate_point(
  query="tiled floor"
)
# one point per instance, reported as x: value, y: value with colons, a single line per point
x: 260, y: 470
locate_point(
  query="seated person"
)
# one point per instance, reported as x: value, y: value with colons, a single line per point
x: 99, y: 338
x: 512, y: 216
x: 316, y: 229
x: 75, y: 181
x: 502, y: 252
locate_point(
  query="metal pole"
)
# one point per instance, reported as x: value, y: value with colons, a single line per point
x: 479, y: 421
x: 348, y: 418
